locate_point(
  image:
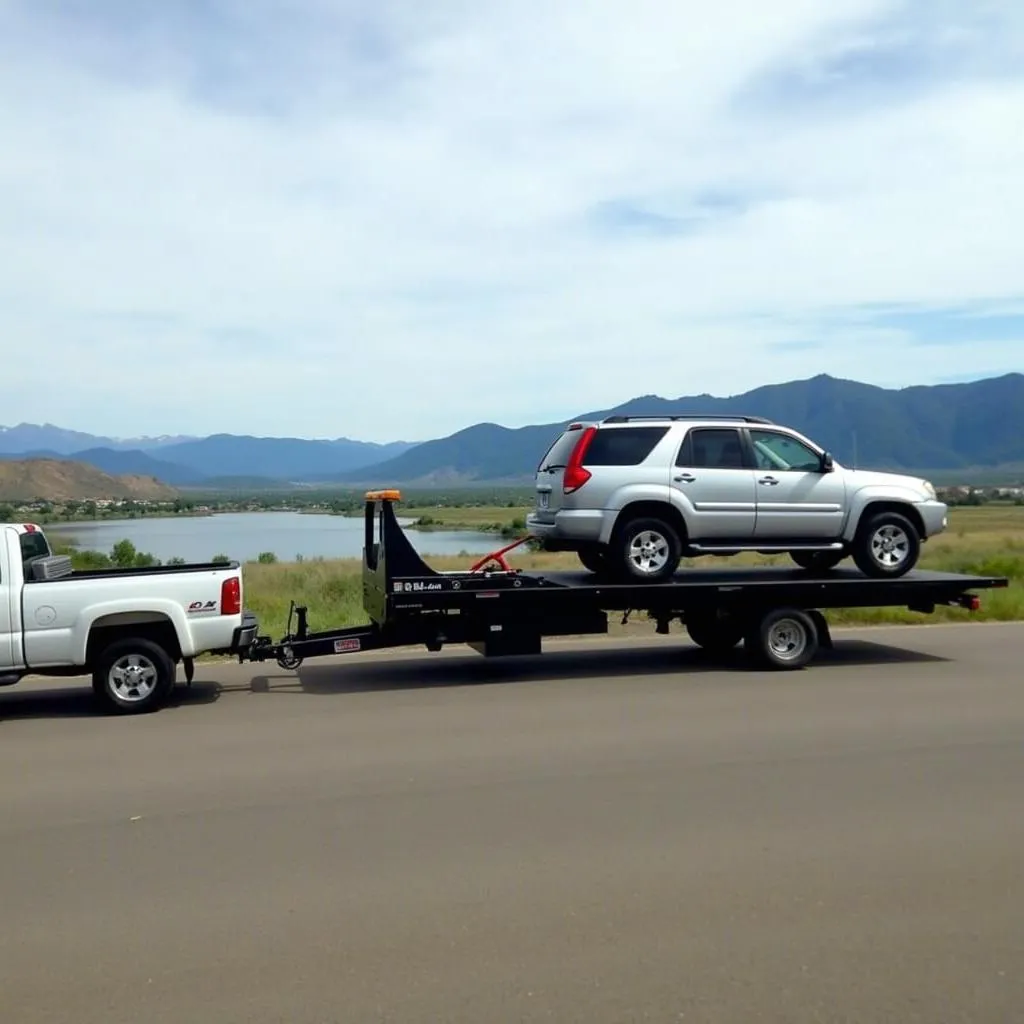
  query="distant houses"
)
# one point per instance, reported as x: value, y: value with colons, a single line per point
x: 967, y: 495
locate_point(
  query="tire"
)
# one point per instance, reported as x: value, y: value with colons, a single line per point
x: 887, y: 546
x: 782, y: 638
x: 645, y: 550
x: 593, y: 559
x: 714, y: 634
x: 151, y: 666
x: 817, y: 561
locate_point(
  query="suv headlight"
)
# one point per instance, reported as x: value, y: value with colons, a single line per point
x: 928, y: 489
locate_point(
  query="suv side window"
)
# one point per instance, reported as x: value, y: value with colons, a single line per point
x: 622, y: 446
x: 783, y: 454
x: 711, y: 448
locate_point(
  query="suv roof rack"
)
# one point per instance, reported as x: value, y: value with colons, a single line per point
x: 689, y: 416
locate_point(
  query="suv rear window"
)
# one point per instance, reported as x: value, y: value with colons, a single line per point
x: 622, y: 446
x: 557, y: 456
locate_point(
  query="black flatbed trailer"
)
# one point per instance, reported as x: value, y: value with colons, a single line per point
x: 501, y: 611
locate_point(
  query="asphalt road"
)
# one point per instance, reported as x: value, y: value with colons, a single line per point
x: 607, y: 833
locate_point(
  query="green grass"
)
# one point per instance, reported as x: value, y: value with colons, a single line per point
x: 987, y: 540
x: 486, y: 518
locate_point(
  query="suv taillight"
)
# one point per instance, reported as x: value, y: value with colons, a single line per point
x: 231, y: 596
x: 575, y: 475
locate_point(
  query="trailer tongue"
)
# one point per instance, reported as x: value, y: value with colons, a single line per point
x: 498, y: 610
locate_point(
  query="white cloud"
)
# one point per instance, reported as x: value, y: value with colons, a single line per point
x: 390, y: 227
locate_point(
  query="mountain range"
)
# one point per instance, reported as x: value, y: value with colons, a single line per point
x: 199, y: 461
x: 971, y: 425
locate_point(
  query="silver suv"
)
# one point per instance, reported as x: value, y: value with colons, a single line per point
x: 632, y: 495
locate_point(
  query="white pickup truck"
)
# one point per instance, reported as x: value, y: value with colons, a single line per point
x: 127, y: 628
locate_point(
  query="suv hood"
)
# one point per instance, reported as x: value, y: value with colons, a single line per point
x: 867, y: 478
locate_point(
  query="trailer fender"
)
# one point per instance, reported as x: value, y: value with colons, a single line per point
x: 821, y: 624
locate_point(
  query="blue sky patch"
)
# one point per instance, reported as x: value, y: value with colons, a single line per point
x: 371, y: 196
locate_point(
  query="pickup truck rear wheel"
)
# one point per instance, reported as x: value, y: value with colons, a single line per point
x: 887, y: 546
x: 133, y: 676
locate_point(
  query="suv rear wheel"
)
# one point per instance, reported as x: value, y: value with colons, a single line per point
x: 887, y: 545
x: 645, y: 550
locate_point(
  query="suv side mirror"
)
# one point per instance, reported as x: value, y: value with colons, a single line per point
x: 826, y: 463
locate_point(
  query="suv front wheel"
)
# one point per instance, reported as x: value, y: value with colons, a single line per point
x: 645, y: 550
x: 887, y: 546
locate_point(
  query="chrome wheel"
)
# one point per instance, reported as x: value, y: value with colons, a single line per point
x: 787, y: 639
x: 782, y: 638
x: 649, y: 552
x: 887, y: 545
x: 133, y: 678
x: 890, y: 546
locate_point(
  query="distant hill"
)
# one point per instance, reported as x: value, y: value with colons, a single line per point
x: 194, y: 461
x: 137, y: 463
x: 120, y: 463
x: 281, y: 458
x: 949, y: 426
x: 63, y: 480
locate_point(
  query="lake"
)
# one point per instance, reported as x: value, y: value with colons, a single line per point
x: 242, y: 536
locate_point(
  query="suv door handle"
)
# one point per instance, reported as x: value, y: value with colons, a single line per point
x: 684, y: 478
x: 770, y: 480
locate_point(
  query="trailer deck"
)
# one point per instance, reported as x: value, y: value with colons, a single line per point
x: 500, y: 611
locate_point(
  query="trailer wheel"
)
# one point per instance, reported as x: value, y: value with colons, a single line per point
x: 288, y: 659
x: 716, y: 634
x: 782, y: 638
x: 133, y: 676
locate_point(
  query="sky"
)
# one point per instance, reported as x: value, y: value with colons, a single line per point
x: 390, y: 220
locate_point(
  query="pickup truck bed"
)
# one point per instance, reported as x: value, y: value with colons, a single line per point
x: 127, y: 628
x: 147, y: 570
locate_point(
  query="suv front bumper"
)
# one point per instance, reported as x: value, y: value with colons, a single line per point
x: 934, y: 514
